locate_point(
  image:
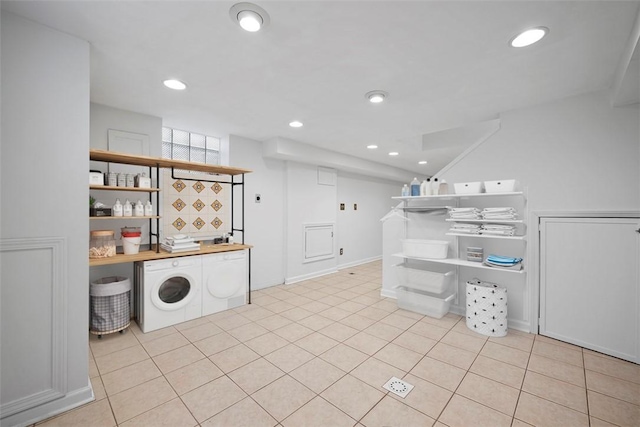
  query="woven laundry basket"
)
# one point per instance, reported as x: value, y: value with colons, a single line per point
x: 109, y: 305
x: 486, y: 308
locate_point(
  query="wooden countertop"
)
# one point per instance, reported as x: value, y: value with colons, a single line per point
x: 151, y: 254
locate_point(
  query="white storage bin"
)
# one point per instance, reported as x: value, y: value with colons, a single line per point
x: 435, y: 249
x: 428, y: 281
x: 468, y: 187
x: 503, y: 186
x: 427, y: 303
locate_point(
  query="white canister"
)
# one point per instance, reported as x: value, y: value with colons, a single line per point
x: 112, y: 179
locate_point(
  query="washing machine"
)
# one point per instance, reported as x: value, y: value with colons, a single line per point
x: 169, y: 291
x: 225, y: 279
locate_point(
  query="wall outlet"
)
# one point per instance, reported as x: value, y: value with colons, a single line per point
x: 258, y: 198
x: 341, y: 206
x: 341, y: 251
x: 355, y: 206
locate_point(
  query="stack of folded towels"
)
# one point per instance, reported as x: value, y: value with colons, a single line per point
x: 464, y: 213
x: 499, y: 213
x: 179, y: 243
x: 463, y: 228
x: 498, y: 230
x: 504, y: 262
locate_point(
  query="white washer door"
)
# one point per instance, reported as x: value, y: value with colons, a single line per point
x: 173, y: 292
x: 226, y: 278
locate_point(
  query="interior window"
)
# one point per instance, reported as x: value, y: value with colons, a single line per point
x: 192, y: 147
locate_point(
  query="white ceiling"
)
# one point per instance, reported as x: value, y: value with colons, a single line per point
x: 446, y: 64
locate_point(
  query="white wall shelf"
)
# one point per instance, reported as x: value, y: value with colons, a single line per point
x: 457, y: 196
x: 487, y: 236
x: 462, y: 263
x: 488, y: 221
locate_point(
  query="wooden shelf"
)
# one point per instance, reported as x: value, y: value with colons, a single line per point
x: 112, y: 188
x: 152, y: 255
x: 462, y: 263
x: 155, y: 162
x: 125, y: 217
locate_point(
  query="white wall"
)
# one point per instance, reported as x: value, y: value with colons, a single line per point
x: 45, y: 134
x: 307, y: 203
x: 264, y: 221
x: 102, y: 119
x: 577, y: 153
x: 291, y: 197
x: 360, y: 231
x: 574, y: 154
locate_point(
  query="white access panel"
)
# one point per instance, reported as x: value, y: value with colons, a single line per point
x: 318, y: 242
x: 590, y: 284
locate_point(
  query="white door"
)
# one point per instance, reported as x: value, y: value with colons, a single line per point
x: 589, y: 283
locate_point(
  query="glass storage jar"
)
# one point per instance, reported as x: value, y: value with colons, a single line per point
x: 102, y: 244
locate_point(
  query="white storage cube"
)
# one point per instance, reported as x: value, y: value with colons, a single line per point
x: 428, y: 281
x: 503, y: 186
x: 427, y: 303
x: 435, y: 249
x: 486, y: 308
x: 468, y: 187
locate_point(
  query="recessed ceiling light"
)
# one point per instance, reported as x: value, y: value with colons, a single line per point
x: 175, y: 84
x: 393, y: 153
x: 529, y: 37
x: 422, y: 162
x: 372, y: 147
x: 376, y: 96
x: 295, y: 124
x: 249, y: 16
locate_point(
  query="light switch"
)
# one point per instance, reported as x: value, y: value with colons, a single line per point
x: 355, y: 206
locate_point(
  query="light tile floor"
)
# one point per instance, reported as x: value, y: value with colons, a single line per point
x: 317, y: 353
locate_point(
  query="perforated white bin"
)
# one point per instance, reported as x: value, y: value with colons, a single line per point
x: 486, y: 308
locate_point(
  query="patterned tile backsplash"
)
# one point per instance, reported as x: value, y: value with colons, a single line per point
x: 196, y: 208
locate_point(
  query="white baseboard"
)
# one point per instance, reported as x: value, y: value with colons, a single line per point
x: 33, y: 415
x: 257, y: 287
x: 359, y: 262
x: 388, y: 293
x: 296, y: 279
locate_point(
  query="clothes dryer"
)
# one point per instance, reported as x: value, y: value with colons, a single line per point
x: 225, y: 281
x: 169, y: 291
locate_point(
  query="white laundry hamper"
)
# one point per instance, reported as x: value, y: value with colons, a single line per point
x: 486, y: 308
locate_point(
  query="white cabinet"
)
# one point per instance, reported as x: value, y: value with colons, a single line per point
x: 429, y: 219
